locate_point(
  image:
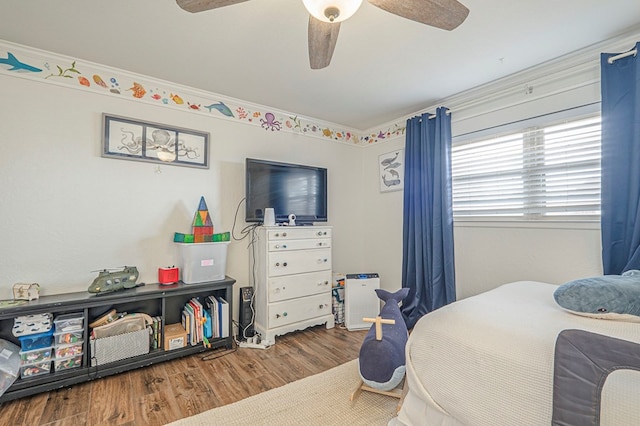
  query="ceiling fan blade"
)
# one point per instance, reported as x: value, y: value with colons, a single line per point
x: 444, y: 14
x: 322, y: 41
x: 195, y: 6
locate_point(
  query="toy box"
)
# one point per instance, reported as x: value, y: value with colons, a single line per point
x: 120, y: 346
x: 67, y: 363
x: 32, y: 324
x: 202, y: 262
x: 66, y: 351
x: 69, y: 322
x: 33, y: 370
x: 9, y: 364
x: 66, y: 337
x: 36, y: 341
x: 36, y: 355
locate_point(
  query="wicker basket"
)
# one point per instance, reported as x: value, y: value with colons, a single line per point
x: 121, y: 346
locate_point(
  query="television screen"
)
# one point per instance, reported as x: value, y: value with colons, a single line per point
x: 287, y: 188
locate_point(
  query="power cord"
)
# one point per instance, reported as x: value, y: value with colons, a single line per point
x: 244, y: 231
x: 211, y: 357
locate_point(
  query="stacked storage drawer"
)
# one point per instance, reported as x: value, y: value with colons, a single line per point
x: 68, y: 341
x: 35, y: 333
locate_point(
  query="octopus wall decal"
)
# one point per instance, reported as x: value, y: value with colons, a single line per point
x: 269, y: 122
x: 161, y: 141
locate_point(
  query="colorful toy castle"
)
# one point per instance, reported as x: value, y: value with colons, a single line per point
x: 202, y: 228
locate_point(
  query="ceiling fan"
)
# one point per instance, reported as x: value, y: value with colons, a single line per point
x: 325, y: 17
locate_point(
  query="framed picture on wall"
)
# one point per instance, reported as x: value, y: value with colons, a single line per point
x: 391, y: 167
x: 130, y: 139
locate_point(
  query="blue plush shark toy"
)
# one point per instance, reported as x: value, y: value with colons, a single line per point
x: 382, y: 362
x: 615, y: 297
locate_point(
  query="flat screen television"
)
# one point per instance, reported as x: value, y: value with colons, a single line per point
x: 288, y: 189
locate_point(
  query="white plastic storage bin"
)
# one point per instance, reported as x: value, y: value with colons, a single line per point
x: 202, y: 262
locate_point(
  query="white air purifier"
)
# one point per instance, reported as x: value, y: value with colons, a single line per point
x: 360, y: 300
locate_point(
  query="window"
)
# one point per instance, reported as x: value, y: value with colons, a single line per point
x: 535, y: 172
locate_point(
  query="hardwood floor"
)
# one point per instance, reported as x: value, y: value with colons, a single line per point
x: 169, y: 391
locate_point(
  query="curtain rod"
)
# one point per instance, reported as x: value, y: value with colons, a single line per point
x: 622, y: 55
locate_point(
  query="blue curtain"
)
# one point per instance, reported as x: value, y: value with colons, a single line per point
x: 620, y: 221
x: 427, y: 240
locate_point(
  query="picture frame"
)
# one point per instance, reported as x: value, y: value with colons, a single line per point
x: 129, y: 139
x: 391, y: 166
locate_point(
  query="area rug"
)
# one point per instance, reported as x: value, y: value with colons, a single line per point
x: 319, y: 400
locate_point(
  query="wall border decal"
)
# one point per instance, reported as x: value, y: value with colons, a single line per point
x: 25, y: 62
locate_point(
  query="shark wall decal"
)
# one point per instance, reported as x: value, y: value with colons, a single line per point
x: 17, y: 65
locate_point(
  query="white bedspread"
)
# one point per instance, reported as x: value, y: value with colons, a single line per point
x: 488, y: 360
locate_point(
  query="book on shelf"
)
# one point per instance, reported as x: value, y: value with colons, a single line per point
x: 223, y: 317
x: 186, y: 323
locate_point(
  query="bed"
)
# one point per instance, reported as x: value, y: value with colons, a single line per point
x: 491, y: 359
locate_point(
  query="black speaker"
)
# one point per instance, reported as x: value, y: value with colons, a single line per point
x: 245, y: 313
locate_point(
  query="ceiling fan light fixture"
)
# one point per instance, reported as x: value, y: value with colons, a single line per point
x: 332, y: 10
x: 166, y: 156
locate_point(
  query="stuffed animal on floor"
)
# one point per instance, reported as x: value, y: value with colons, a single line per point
x: 382, y: 362
x: 615, y: 297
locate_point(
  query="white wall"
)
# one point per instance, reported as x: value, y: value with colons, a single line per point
x: 488, y: 254
x: 66, y: 211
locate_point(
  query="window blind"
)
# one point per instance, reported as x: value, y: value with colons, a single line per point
x: 538, y: 172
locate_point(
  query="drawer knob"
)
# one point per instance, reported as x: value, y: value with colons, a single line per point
x: 284, y: 234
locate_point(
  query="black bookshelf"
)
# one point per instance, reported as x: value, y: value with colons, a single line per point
x: 165, y: 301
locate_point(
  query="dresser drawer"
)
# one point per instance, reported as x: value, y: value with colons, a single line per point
x: 296, y: 262
x: 292, y: 286
x: 299, y: 233
x: 288, y: 312
x: 299, y: 244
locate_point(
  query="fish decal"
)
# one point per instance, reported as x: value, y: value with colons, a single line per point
x: 394, y: 173
x: 177, y: 99
x: 157, y: 97
x: 16, y: 65
x: 388, y: 161
x: 138, y: 90
x: 99, y: 81
x: 390, y: 182
x: 221, y: 108
x: 84, y: 81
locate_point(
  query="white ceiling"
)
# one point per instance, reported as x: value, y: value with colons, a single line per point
x: 384, y: 67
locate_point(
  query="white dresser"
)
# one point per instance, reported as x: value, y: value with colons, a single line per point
x: 290, y: 270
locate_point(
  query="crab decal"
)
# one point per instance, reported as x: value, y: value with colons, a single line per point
x: 269, y: 122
